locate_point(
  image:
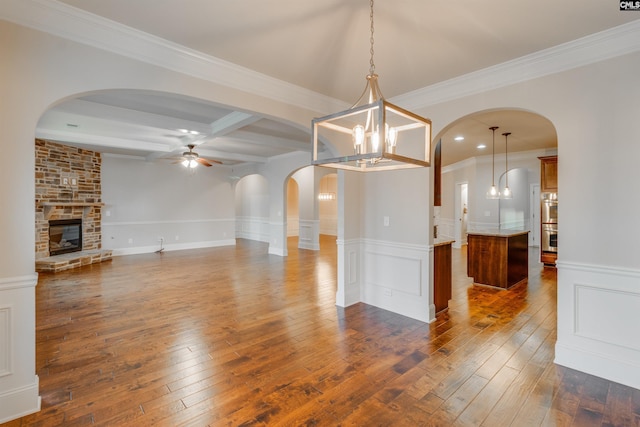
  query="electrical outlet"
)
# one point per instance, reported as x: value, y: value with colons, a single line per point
x: 130, y: 240
x: 177, y: 237
x: 386, y: 221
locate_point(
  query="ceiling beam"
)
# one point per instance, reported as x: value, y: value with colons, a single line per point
x: 95, y: 110
x: 231, y: 122
x: 93, y: 142
x: 268, y: 140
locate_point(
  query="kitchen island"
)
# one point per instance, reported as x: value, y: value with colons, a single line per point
x: 498, y: 258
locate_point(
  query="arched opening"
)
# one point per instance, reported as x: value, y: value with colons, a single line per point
x: 328, y: 205
x: 252, y: 208
x: 293, y: 208
x: 467, y: 157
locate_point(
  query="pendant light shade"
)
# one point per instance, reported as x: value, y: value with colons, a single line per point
x: 493, y: 192
x: 506, y: 193
x: 373, y: 134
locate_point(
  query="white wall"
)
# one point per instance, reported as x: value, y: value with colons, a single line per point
x: 308, y: 223
x: 252, y: 208
x: 387, y: 259
x: 147, y: 201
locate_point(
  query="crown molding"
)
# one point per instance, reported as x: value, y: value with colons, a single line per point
x: 74, y: 24
x: 596, y: 47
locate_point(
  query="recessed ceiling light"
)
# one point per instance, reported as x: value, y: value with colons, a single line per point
x: 481, y: 146
x: 459, y: 138
x: 183, y: 130
x: 194, y: 132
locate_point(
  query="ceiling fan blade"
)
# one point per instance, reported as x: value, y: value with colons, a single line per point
x: 203, y: 162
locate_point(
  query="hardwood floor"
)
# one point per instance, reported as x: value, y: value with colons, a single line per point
x: 234, y: 336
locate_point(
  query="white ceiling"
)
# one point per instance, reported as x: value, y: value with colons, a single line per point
x: 324, y: 47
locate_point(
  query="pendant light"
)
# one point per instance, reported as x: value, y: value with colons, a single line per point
x: 373, y: 134
x: 506, y: 193
x: 493, y: 192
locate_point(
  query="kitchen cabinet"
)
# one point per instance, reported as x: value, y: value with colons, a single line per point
x: 437, y: 175
x: 498, y: 258
x: 442, y: 274
x: 549, y: 174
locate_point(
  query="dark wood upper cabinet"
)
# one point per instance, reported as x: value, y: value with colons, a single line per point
x: 437, y: 175
x: 549, y: 174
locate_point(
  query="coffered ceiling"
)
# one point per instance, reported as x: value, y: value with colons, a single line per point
x: 322, y: 47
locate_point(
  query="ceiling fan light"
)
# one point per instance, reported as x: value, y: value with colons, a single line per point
x: 185, y: 163
x: 192, y: 163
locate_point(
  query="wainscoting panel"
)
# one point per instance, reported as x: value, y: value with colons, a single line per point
x: 329, y: 225
x: 5, y: 340
x: 253, y: 228
x: 396, y: 278
x: 348, y: 292
x: 18, y: 381
x: 309, y: 235
x: 598, y: 318
x: 293, y: 226
x: 393, y: 272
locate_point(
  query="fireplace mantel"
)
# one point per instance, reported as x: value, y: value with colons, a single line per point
x: 49, y: 207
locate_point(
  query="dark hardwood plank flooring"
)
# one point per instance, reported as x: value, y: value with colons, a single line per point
x: 236, y: 337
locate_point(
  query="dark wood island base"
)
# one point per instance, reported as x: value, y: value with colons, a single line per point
x: 498, y: 258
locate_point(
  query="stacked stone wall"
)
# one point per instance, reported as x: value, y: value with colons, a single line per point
x: 67, y: 175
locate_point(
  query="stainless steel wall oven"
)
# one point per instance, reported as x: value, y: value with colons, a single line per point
x: 549, y: 237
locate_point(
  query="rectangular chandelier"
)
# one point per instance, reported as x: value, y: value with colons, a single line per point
x: 373, y: 137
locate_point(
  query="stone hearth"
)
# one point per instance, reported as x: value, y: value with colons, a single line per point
x: 71, y: 260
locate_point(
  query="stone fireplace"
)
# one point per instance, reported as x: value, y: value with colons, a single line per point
x: 68, y: 191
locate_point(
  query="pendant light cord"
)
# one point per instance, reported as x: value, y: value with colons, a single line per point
x: 372, y: 66
x: 506, y: 159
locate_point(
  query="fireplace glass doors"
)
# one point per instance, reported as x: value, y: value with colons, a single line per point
x: 65, y: 235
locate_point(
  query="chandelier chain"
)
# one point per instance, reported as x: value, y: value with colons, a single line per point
x: 372, y: 66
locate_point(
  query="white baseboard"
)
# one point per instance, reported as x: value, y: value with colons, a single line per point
x: 19, y: 402
x: 601, y: 365
x: 173, y: 247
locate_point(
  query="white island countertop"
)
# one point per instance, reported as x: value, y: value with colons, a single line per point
x: 498, y: 233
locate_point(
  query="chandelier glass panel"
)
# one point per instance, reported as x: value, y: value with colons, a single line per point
x: 373, y: 134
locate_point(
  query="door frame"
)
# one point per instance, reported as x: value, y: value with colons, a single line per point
x: 460, y: 239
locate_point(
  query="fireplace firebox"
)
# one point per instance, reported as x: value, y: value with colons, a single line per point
x: 65, y: 235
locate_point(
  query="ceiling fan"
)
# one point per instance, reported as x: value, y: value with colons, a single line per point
x: 190, y: 159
